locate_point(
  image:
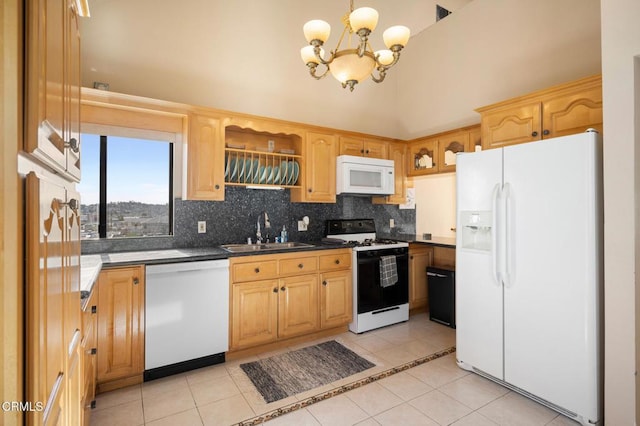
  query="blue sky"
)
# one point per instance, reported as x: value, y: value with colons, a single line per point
x: 137, y: 170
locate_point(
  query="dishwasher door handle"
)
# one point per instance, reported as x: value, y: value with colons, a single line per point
x: 187, y: 266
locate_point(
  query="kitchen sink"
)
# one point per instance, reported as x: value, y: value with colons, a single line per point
x: 244, y: 248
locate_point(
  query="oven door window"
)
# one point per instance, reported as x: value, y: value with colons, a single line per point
x: 371, y: 296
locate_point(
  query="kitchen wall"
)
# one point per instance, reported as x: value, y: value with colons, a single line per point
x: 234, y: 220
x: 436, y: 204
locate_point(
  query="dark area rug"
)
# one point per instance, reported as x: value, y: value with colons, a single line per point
x: 287, y: 374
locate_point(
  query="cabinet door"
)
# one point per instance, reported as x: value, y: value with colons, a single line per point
x: 423, y: 158
x: 397, y: 153
x: 205, y: 159
x: 89, y: 354
x: 419, y: 259
x: 74, y: 83
x: 45, y: 63
x: 444, y: 257
x: 254, y: 313
x: 45, y: 340
x: 336, y: 303
x: 572, y: 113
x: 508, y: 126
x: 298, y: 305
x: 376, y: 149
x: 351, y: 146
x: 72, y: 306
x: 475, y: 140
x: 448, y: 147
x: 320, y: 173
x: 120, y: 323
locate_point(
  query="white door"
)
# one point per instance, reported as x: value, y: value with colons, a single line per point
x: 478, y: 292
x: 550, y: 303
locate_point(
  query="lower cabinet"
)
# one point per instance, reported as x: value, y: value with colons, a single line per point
x: 420, y: 256
x: 120, y: 347
x: 279, y: 296
x: 89, y: 355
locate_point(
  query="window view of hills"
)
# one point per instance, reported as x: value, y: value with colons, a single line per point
x: 126, y: 219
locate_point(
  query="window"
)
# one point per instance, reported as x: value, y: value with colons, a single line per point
x: 126, y: 187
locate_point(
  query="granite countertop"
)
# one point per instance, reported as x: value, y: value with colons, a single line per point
x: 413, y: 238
x: 92, y: 264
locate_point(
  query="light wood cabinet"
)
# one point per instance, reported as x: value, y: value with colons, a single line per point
x: 52, y: 297
x: 279, y: 296
x: 89, y: 354
x: 420, y: 257
x: 557, y: 111
x: 297, y: 305
x: 437, y: 153
x: 120, y: 327
x: 319, y: 171
x: 205, y: 159
x: 254, y: 313
x: 397, y: 153
x: 336, y: 298
x: 363, y: 147
x: 53, y: 85
x: 444, y: 257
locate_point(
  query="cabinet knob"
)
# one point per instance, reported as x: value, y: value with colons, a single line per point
x: 94, y: 309
x: 73, y: 145
x: 257, y: 270
x: 283, y: 288
x: 362, y: 151
x: 310, y: 190
x: 300, y: 265
x: 337, y: 261
x: 73, y: 203
x: 534, y: 134
x: 324, y: 283
x: 217, y: 186
x: 367, y: 151
x: 275, y: 290
x: 411, y: 257
x: 93, y: 351
x: 546, y: 132
x: 136, y: 281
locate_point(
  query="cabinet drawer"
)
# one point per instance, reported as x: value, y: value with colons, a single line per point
x: 330, y: 262
x: 298, y: 265
x: 252, y: 271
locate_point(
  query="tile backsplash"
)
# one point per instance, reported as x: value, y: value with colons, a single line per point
x: 234, y: 220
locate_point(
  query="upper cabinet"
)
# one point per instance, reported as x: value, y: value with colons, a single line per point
x: 53, y: 84
x: 557, y: 111
x: 205, y: 151
x: 397, y: 153
x: 437, y: 153
x: 263, y: 154
x: 365, y: 147
x: 319, y: 176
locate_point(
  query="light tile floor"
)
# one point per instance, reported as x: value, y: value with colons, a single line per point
x: 431, y: 394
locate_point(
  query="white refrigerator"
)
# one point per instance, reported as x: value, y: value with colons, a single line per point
x: 529, y: 276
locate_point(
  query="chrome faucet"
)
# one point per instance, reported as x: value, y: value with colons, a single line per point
x: 267, y: 225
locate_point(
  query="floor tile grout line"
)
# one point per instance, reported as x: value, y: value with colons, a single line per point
x: 261, y: 418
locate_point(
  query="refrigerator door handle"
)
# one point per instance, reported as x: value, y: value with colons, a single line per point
x: 495, y: 196
x: 509, y: 254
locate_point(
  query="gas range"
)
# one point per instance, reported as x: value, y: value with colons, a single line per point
x: 380, y: 274
x: 361, y: 233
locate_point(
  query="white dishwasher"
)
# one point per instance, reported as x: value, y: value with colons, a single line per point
x: 186, y: 316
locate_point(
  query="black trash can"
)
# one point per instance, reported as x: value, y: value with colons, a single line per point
x: 441, y: 283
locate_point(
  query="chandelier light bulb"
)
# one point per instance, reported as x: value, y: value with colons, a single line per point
x: 397, y: 35
x: 363, y: 18
x: 309, y: 56
x: 385, y: 57
x: 316, y: 29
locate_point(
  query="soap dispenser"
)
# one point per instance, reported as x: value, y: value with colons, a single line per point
x: 283, y: 235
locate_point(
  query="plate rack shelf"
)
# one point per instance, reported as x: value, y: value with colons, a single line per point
x: 246, y: 167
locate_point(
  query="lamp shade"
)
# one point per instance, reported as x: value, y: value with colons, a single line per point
x: 316, y: 29
x: 309, y: 56
x: 385, y: 57
x: 396, y: 35
x: 347, y: 65
x: 363, y: 17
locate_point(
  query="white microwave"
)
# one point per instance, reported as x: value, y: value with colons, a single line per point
x: 364, y: 175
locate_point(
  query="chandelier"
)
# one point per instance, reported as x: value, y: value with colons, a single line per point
x: 351, y: 65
